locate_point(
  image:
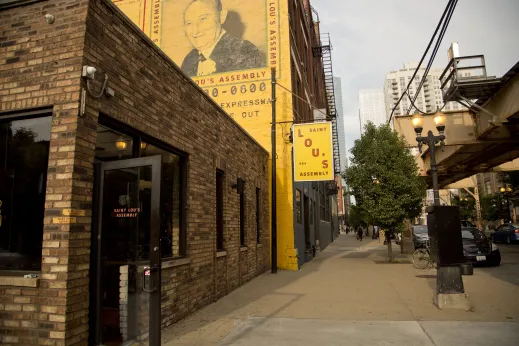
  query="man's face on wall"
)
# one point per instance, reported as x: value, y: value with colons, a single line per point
x: 203, y: 23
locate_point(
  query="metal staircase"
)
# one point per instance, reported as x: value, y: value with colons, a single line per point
x: 326, y: 55
x: 326, y: 51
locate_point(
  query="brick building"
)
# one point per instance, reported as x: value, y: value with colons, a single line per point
x: 316, y: 213
x: 279, y: 34
x: 129, y: 183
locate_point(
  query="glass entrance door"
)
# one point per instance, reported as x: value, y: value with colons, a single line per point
x: 127, y: 275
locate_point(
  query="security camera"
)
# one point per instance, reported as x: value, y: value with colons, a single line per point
x: 88, y: 72
x: 49, y: 18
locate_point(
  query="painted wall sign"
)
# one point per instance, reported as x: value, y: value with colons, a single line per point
x: 63, y: 220
x: 227, y: 51
x: 126, y: 212
x: 313, y: 152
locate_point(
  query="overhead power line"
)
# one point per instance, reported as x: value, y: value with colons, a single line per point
x: 445, y: 12
x: 433, y: 54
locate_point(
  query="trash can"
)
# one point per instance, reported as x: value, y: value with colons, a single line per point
x: 467, y: 269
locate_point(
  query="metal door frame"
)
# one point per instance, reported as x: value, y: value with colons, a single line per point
x: 155, y: 260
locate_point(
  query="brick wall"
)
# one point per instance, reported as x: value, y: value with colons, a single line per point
x: 155, y: 98
x: 40, y: 66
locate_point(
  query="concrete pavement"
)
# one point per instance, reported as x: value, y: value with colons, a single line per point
x: 289, y: 331
x: 344, y: 297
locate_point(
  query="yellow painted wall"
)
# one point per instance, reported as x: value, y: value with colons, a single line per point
x: 245, y: 94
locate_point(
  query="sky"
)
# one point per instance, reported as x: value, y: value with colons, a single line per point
x: 373, y: 37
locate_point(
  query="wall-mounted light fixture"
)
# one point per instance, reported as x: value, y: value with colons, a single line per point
x: 120, y: 144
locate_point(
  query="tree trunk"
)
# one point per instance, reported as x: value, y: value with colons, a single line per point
x: 389, y: 248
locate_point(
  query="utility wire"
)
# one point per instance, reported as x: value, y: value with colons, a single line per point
x: 308, y: 103
x: 449, y: 4
x: 412, y: 103
x: 433, y: 54
x: 435, y: 51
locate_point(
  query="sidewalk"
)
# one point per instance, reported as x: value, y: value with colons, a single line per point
x: 344, y: 297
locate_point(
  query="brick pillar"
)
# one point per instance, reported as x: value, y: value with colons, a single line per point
x: 67, y: 225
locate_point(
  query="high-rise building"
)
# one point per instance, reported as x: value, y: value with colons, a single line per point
x: 429, y: 98
x: 343, y: 200
x: 371, y: 107
x: 340, y: 122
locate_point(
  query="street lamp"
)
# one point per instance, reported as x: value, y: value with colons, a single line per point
x: 449, y: 283
x: 507, y: 191
x: 431, y: 140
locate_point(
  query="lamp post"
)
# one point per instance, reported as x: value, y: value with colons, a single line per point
x: 507, y: 191
x: 450, y: 292
x: 431, y: 140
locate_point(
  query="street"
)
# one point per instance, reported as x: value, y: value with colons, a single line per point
x: 509, y: 269
x: 344, y: 297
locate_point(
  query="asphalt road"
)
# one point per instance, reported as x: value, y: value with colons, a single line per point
x: 509, y: 268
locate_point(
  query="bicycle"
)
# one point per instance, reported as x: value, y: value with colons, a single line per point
x: 422, y: 257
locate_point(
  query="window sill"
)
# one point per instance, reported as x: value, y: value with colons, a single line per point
x: 19, y: 281
x: 259, y: 245
x: 243, y: 248
x: 221, y: 253
x: 175, y: 263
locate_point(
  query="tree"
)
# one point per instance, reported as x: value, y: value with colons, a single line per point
x: 467, y: 206
x: 384, y: 179
x: 494, y: 207
x: 356, y: 217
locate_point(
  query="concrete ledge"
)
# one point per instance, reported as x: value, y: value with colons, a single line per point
x: 19, y: 281
x: 259, y: 245
x: 454, y: 301
x: 176, y: 263
x: 244, y: 248
x: 221, y: 254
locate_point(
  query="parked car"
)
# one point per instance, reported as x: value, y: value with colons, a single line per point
x: 465, y: 223
x: 420, y: 235
x: 507, y: 233
x: 478, y: 249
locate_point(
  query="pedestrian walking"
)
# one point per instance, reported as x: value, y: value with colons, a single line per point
x: 375, y: 232
x: 360, y: 233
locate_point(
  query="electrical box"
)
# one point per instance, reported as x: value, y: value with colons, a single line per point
x: 444, y: 227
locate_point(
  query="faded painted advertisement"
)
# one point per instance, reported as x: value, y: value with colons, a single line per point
x: 227, y: 46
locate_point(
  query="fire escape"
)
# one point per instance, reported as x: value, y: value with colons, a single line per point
x: 324, y: 51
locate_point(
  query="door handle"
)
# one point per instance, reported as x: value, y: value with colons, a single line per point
x: 148, y: 279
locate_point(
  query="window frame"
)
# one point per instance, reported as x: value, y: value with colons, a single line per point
x: 258, y: 215
x: 36, y: 113
x: 138, y: 137
x: 298, y: 199
x: 220, y: 193
x: 7, y: 4
x: 243, y: 240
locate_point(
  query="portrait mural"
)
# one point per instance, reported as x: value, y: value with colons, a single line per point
x: 205, y: 37
x: 226, y: 46
x: 214, y: 49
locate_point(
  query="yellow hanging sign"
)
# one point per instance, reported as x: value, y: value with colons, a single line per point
x: 313, y: 152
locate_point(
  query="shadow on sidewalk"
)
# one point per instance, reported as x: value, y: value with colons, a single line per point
x: 229, y: 306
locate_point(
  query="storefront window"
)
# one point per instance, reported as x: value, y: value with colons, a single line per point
x: 112, y: 145
x: 169, y: 200
x: 117, y: 145
x: 24, y: 155
x: 298, y: 206
x: 312, y: 211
